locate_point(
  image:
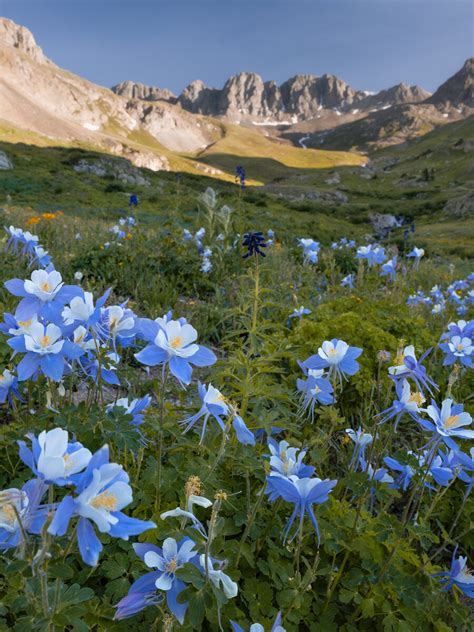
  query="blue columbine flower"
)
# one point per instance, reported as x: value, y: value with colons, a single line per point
x: 135, y: 408
x: 407, y: 403
x: 458, y: 575
x: 416, y: 254
x: 81, y: 310
x: 406, y: 472
x: 310, y: 250
x: 315, y: 389
x: 389, y: 269
x: 143, y: 592
x: 217, y: 576
x: 337, y: 356
x: 287, y: 461
x: 407, y: 366
x: 300, y: 312
x: 361, y: 440
x: 214, y: 405
x: 348, y: 281
x: 466, y: 462
x: 257, y: 627
x: 462, y: 329
x: 188, y: 513
x: 25, y: 504
x: 42, y: 295
x: 53, y: 458
x: 373, y: 253
x: 174, y: 343
x: 101, y: 493
x: 458, y: 350
x: 448, y: 422
x: 303, y: 493
x: 20, y: 239
x: 45, y: 350
x: 8, y: 387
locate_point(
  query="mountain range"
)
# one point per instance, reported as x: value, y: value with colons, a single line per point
x: 44, y: 104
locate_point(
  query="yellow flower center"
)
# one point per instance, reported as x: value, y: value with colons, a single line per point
x: 460, y: 346
x: 417, y: 398
x: 176, y: 342
x: 451, y: 420
x: 24, y: 323
x: 105, y: 500
x: 8, y: 513
x: 171, y: 566
x: 45, y: 286
x: 332, y: 351
x: 113, y: 322
x: 45, y: 341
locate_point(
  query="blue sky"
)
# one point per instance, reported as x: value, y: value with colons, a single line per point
x: 372, y: 44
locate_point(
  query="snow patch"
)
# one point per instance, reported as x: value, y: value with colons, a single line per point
x: 93, y: 127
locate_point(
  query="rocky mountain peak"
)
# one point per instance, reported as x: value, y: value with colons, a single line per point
x: 21, y: 38
x: 458, y: 89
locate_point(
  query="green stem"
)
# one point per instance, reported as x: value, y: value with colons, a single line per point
x: 250, y: 522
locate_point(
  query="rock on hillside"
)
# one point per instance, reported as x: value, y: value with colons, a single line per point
x: 133, y: 90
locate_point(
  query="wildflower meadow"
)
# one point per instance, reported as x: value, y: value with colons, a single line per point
x: 213, y: 422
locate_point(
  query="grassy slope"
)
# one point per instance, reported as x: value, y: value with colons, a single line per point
x: 44, y: 178
x: 266, y: 159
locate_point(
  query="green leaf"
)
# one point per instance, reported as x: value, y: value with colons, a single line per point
x: 367, y: 607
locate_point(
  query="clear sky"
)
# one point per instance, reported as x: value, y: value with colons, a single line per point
x: 371, y: 44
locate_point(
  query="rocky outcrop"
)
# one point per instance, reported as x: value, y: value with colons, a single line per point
x: 133, y: 90
x: 5, y: 162
x: 22, y: 39
x: 457, y: 90
x: 461, y: 206
x: 118, y: 168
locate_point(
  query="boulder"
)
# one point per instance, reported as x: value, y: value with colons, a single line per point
x: 461, y: 206
x: 5, y: 162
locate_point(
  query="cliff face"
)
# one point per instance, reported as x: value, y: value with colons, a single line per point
x: 457, y: 90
